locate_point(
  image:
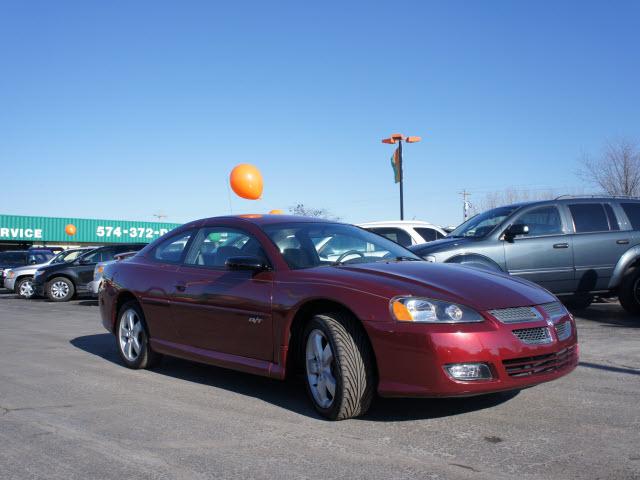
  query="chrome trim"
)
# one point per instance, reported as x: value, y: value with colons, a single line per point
x: 534, y: 336
x: 516, y: 315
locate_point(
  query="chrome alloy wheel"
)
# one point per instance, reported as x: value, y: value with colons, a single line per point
x: 26, y: 289
x: 59, y: 289
x: 129, y: 335
x: 319, y: 364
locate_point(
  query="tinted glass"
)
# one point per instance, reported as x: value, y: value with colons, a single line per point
x: 173, y: 248
x: 94, y: 256
x: 613, y: 221
x: 541, y: 221
x: 13, y: 257
x: 632, y: 210
x: 394, y: 234
x: 429, y: 234
x: 589, y: 217
x: 306, y: 245
x: 68, y: 256
x: 483, y: 224
x: 213, y: 246
x: 39, y: 257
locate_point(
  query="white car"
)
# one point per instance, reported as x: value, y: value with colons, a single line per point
x: 406, y: 232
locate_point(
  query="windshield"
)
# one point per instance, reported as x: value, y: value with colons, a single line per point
x: 483, y: 224
x: 307, y: 245
x: 67, y: 256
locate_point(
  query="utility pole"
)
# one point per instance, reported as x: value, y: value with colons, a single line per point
x: 399, y: 138
x: 465, y: 204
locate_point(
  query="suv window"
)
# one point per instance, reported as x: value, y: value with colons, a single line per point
x: 613, y: 220
x: 541, y: 221
x: 394, y: 234
x: 13, y: 257
x: 172, y: 249
x: 429, y: 234
x: 589, y: 217
x: 633, y: 214
x: 96, y: 256
x: 212, y: 246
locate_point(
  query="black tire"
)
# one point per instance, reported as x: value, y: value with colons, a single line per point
x: 146, y: 357
x: 56, y: 292
x: 628, y: 292
x: 21, y: 287
x: 577, y: 302
x: 352, y: 366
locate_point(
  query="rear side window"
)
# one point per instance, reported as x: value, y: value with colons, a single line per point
x: 589, y: 217
x: 428, y: 234
x: 13, y: 257
x: 633, y: 214
x: 395, y: 235
x: 172, y: 249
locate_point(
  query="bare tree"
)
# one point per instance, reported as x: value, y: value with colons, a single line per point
x: 511, y: 195
x: 616, y: 170
x: 303, y: 211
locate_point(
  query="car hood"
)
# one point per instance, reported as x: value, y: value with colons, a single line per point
x: 480, y: 289
x: 441, y: 245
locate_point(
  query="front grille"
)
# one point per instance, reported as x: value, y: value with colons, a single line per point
x: 516, y: 314
x: 541, y: 364
x: 555, y: 310
x: 533, y: 336
x: 563, y: 330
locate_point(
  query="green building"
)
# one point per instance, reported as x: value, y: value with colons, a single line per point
x: 18, y: 232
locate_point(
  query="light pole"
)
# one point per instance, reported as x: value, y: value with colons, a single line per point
x: 396, y: 162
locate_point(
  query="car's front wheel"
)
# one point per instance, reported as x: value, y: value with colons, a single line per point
x: 132, y: 338
x: 24, y: 287
x: 338, y: 366
x: 60, y: 289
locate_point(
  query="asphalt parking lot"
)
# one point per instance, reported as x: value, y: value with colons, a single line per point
x: 68, y: 409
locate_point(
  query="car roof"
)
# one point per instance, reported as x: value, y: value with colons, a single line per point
x: 266, y: 219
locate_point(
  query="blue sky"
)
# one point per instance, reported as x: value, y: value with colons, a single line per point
x: 124, y: 109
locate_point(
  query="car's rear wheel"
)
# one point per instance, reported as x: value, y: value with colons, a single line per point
x: 132, y: 338
x: 60, y: 289
x: 339, y: 368
x: 629, y: 293
x: 24, y: 287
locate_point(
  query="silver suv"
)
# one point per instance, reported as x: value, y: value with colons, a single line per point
x: 573, y: 246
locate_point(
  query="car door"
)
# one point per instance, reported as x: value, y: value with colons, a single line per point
x: 222, y: 310
x: 544, y: 254
x: 598, y: 244
x: 85, y: 266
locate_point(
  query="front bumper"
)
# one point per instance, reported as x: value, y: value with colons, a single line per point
x: 94, y: 287
x: 9, y: 283
x: 411, y: 358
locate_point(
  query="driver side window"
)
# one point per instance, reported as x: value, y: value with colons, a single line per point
x: 213, y: 246
x: 541, y: 221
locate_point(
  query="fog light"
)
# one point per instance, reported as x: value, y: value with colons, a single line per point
x: 469, y: 371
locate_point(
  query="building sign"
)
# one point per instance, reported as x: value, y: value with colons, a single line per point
x: 80, y: 230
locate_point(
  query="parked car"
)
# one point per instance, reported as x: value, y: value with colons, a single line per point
x: 406, y: 232
x: 573, y: 246
x: 94, y: 285
x: 61, y: 282
x: 20, y: 279
x: 254, y: 293
x: 19, y: 258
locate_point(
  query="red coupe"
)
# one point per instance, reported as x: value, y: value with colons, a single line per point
x: 352, y: 311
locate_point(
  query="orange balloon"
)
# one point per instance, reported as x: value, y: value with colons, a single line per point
x: 276, y: 212
x: 70, y: 229
x: 246, y: 181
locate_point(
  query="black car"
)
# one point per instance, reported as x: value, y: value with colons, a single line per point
x: 20, y: 258
x: 60, y: 282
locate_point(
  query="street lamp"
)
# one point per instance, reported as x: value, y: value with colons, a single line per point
x: 396, y: 161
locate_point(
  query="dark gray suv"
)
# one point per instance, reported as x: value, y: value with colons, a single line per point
x: 573, y: 246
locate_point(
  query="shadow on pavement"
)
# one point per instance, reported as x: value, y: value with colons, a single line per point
x: 610, y: 315
x: 290, y: 394
x: 609, y: 368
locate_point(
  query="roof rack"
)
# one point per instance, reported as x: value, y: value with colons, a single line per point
x: 559, y: 197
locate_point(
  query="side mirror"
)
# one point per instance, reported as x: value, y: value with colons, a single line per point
x: 252, y: 263
x: 515, y: 230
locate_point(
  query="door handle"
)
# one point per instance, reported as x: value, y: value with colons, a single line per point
x: 181, y: 287
x: 624, y: 241
x: 560, y: 245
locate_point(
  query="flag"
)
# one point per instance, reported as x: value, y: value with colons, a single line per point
x: 395, y: 164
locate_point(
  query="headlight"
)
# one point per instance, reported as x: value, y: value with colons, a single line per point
x: 430, y: 258
x: 428, y: 310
